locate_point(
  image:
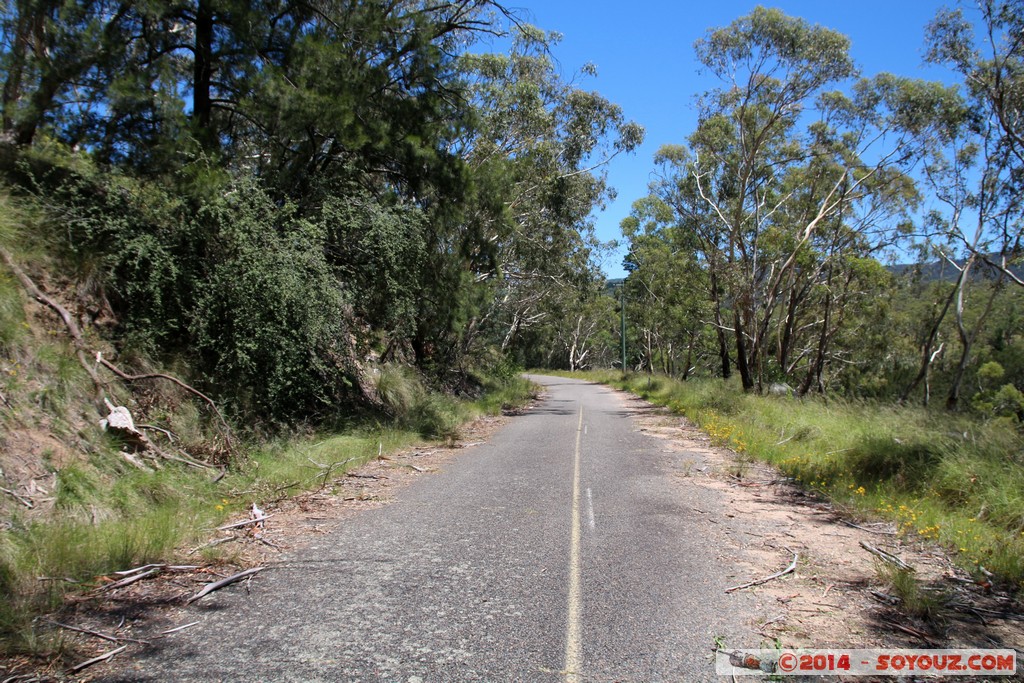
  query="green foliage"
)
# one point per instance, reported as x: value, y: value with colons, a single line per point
x: 76, y: 488
x: 378, y: 251
x: 12, y: 312
x: 437, y: 416
x: 414, y: 407
x: 270, y: 316
x: 915, y: 599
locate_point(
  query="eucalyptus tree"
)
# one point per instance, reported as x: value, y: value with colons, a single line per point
x: 794, y: 174
x: 537, y: 150
x: 667, y: 289
x: 979, y: 176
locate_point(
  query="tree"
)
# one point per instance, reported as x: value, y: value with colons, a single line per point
x: 537, y: 150
x: 778, y: 194
x: 981, y: 178
x: 666, y: 288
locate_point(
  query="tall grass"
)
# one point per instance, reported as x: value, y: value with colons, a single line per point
x: 438, y: 415
x: 949, y: 478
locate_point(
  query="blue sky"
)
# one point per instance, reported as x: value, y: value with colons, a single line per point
x: 644, y: 55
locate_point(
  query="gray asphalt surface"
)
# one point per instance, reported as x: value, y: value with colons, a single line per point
x: 467, y: 576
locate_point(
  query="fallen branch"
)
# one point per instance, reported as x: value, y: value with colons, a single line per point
x: 96, y: 660
x: 326, y: 470
x: 886, y: 557
x: 913, y: 632
x: 130, y: 580
x: 758, y: 582
x: 166, y: 432
x: 178, y: 628
x: 885, y: 597
x: 226, y: 430
x: 136, y: 570
x: 97, y: 634
x: 211, y: 544
x: 256, y: 520
x: 868, y: 529
x: 186, y: 458
x: 27, y: 502
x: 65, y: 315
x: 1010, y: 616
x: 217, y: 585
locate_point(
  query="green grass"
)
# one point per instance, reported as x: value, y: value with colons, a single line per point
x: 915, y: 599
x: 948, y: 478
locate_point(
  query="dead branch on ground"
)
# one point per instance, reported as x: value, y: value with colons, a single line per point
x: 758, y: 582
x: 886, y: 557
x: 868, y: 529
x: 27, y: 502
x: 256, y: 520
x: 217, y: 585
x: 96, y: 660
x: 65, y: 314
x: 213, y: 543
x: 130, y: 580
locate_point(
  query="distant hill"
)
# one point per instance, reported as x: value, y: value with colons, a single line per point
x: 933, y: 271
x: 942, y: 270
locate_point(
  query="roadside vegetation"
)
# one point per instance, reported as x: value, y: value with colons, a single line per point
x: 953, y: 480
x: 104, y: 513
x: 284, y: 236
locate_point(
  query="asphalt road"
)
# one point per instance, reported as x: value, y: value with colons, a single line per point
x: 562, y: 550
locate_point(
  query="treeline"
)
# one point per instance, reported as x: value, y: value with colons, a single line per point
x: 762, y: 249
x: 285, y: 196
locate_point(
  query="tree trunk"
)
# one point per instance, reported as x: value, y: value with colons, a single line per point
x: 202, y: 75
x: 817, y: 366
x: 786, y: 343
x: 20, y: 43
x: 926, y: 351
x: 513, y: 330
x: 40, y: 103
x: 967, y: 340
x: 723, y: 343
x: 689, y: 357
x: 741, y: 352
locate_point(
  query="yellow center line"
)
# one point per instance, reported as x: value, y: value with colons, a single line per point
x: 573, y: 654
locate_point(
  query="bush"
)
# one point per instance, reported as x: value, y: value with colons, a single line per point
x: 270, y: 321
